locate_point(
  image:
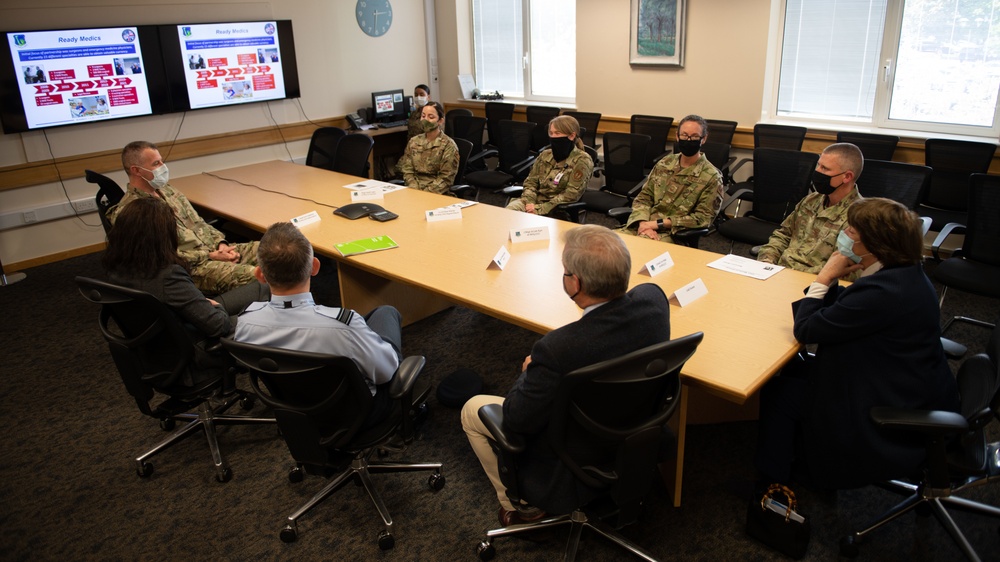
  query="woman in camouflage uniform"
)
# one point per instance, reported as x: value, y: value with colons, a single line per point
x: 431, y: 158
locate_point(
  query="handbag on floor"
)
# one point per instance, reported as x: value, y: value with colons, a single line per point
x: 774, y: 521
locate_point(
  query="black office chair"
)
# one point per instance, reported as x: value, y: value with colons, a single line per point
x: 873, y: 146
x: 764, y: 136
x: 605, y: 426
x: 515, y: 157
x: 322, y: 402
x: 952, y: 162
x: 718, y: 154
x: 958, y: 456
x: 720, y: 130
x: 459, y: 188
x: 783, y: 178
x: 905, y: 183
x: 449, y: 128
x: 624, y: 168
x: 589, y: 122
x: 323, y: 147
x: 108, y: 195
x: 471, y: 128
x: 496, y: 111
x: 975, y: 267
x: 353, y: 152
x: 658, y: 130
x: 540, y: 115
x: 162, y: 360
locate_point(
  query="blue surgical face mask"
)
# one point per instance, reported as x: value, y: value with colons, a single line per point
x: 161, y: 176
x: 845, y: 245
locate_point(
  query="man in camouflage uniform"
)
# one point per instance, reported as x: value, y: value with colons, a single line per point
x: 683, y: 191
x: 559, y: 174
x: 216, y: 265
x: 808, y: 235
x: 430, y: 161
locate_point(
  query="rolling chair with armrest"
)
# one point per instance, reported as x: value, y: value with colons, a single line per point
x: 353, y: 152
x: 958, y: 456
x: 905, y: 183
x: 873, y: 146
x: 449, y: 128
x: 158, y: 356
x: 109, y: 193
x: 515, y: 157
x: 496, y: 111
x: 952, y: 162
x: 689, y: 237
x: 323, y: 147
x: 721, y: 130
x: 575, y: 211
x: 540, y: 115
x: 322, y: 403
x: 605, y: 425
x: 589, y: 121
x: 458, y: 189
x: 764, y: 136
x: 624, y: 168
x: 657, y: 128
x: 471, y: 128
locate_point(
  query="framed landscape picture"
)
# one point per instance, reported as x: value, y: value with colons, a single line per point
x: 657, y: 37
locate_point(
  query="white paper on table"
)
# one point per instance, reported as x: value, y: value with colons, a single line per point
x: 746, y: 266
x: 369, y: 184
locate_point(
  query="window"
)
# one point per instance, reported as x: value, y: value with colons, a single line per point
x: 922, y: 65
x: 526, y: 49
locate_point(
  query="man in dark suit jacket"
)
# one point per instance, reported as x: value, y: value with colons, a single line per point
x: 597, y: 267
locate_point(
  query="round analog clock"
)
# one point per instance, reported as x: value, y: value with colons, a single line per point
x: 374, y: 16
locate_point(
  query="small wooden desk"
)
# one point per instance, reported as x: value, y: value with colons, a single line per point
x: 747, y: 323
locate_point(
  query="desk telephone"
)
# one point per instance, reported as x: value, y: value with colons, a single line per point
x: 356, y: 121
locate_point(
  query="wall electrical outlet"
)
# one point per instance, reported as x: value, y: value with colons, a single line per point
x: 85, y: 205
x: 29, y: 217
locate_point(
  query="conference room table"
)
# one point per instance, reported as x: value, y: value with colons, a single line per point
x: 747, y: 322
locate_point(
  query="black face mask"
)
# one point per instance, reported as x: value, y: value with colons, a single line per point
x: 561, y: 147
x: 689, y: 147
x: 821, y: 182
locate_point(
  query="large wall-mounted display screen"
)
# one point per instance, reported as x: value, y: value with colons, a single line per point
x: 218, y: 64
x: 54, y: 78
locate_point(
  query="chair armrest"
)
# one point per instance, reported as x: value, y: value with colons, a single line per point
x: 632, y: 193
x: 574, y: 210
x: 461, y: 189
x: 730, y: 199
x: 948, y: 230
x: 925, y: 225
x: 929, y: 422
x: 487, y: 153
x: 513, y: 191
x: 689, y: 237
x: 734, y: 169
x: 397, y: 182
x: 517, y: 169
x: 620, y: 214
x: 406, y: 376
x: 953, y: 349
x: 492, y: 417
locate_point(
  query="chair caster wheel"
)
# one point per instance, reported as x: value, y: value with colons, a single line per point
x: 167, y: 424
x: 436, y: 481
x: 144, y: 470
x: 225, y: 475
x: 386, y: 541
x: 485, y: 551
x: 295, y: 475
x: 247, y: 402
x: 288, y: 534
x: 849, y: 547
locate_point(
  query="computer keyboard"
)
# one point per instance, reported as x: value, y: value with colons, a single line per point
x: 392, y: 124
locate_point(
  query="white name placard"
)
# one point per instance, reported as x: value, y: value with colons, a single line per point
x: 308, y: 218
x: 443, y: 214
x: 368, y: 194
x: 500, y: 260
x: 689, y: 293
x: 529, y: 234
x: 658, y: 264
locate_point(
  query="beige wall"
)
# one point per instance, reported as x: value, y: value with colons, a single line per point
x: 339, y: 66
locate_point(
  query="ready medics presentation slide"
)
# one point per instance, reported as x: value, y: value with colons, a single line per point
x: 231, y: 63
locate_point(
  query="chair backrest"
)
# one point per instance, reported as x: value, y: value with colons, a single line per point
x: 589, y: 121
x: 451, y: 113
x: 766, y: 135
x: 717, y: 153
x: 323, y: 147
x: 658, y: 130
x: 496, y: 111
x: 540, y: 115
x: 982, y: 233
x: 624, y: 160
x: 720, y: 130
x: 515, y: 143
x: 952, y: 162
x: 320, y: 401
x: 606, y: 420
x: 781, y: 180
x: 464, y: 150
x: 151, y: 347
x: 470, y: 128
x: 109, y: 193
x: 873, y: 147
x: 352, y: 155
x: 906, y: 183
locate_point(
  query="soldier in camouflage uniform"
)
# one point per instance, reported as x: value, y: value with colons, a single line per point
x: 559, y: 174
x: 808, y: 235
x: 216, y: 265
x: 421, y: 97
x: 430, y: 161
x: 683, y: 191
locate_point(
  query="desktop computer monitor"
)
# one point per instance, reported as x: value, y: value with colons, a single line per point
x: 388, y: 105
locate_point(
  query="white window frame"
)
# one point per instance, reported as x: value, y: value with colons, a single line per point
x: 880, y: 121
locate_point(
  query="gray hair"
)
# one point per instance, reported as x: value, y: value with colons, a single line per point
x: 599, y: 259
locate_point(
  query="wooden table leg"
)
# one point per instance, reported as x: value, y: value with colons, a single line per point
x: 363, y: 291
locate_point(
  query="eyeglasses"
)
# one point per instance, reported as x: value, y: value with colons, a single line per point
x: 568, y: 274
x: 685, y: 137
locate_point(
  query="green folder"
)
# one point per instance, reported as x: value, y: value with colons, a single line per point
x: 366, y: 245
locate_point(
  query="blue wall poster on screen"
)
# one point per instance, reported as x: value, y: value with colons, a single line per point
x: 230, y: 63
x: 78, y: 76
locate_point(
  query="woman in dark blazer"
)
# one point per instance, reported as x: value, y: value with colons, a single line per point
x: 142, y: 254
x: 878, y: 344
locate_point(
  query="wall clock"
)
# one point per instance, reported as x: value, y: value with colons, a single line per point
x: 374, y: 16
